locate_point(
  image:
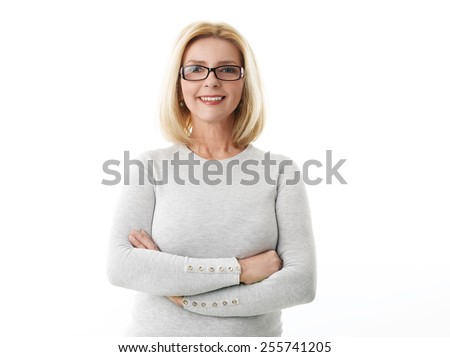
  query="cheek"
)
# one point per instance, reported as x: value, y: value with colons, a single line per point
x: 237, y: 93
x: 188, y: 95
x: 187, y: 90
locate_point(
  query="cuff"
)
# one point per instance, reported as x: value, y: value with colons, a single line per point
x: 202, y: 305
x: 222, y: 267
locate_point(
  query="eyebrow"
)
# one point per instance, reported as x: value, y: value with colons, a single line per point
x: 218, y: 63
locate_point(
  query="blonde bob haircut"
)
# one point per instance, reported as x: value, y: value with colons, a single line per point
x: 176, y: 123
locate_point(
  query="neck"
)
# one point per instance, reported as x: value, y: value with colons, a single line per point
x: 213, y: 140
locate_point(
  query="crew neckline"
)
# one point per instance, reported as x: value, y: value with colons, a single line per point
x: 237, y: 156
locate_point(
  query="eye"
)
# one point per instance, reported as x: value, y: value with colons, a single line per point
x: 229, y: 69
x: 194, y: 69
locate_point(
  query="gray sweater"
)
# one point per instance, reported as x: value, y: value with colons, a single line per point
x: 220, y: 214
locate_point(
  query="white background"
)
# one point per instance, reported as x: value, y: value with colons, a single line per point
x: 80, y: 84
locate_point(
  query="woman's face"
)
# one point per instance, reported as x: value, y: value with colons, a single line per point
x: 211, y: 53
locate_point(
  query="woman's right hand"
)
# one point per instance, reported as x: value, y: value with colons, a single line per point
x: 259, y: 267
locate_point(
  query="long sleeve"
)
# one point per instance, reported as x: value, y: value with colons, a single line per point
x: 153, y: 272
x: 294, y: 284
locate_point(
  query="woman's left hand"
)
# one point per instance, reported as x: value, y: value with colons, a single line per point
x: 143, y: 240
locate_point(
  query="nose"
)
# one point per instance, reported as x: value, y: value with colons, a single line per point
x: 212, y: 80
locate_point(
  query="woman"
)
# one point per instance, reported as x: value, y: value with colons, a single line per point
x: 211, y: 231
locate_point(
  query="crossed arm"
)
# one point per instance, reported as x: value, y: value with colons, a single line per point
x: 252, y: 269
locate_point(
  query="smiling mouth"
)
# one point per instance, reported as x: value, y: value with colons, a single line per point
x: 211, y: 99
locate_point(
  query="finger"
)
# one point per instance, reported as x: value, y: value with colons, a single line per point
x: 155, y: 247
x: 134, y: 233
x: 133, y: 241
x: 136, y: 243
x: 140, y: 237
x: 147, y: 236
x: 147, y: 241
x: 178, y: 300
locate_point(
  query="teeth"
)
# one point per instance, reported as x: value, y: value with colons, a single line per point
x: 211, y: 99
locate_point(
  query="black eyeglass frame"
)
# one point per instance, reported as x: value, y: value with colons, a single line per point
x: 211, y: 70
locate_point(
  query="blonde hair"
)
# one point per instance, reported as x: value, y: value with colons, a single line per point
x: 176, y: 123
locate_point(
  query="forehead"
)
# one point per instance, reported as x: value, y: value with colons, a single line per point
x: 211, y: 50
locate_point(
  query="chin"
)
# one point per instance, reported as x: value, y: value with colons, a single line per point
x: 211, y: 118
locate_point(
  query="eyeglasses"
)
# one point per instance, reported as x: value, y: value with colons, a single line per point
x: 199, y: 73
